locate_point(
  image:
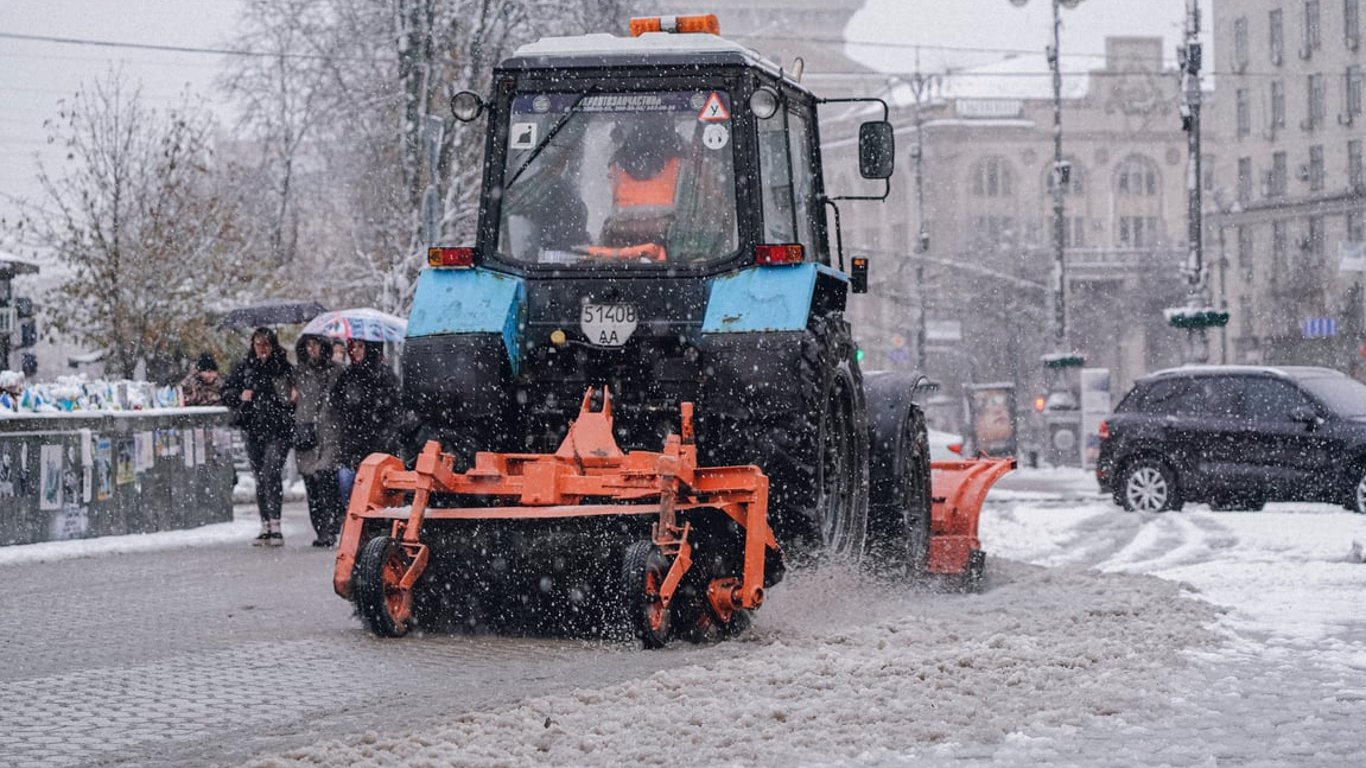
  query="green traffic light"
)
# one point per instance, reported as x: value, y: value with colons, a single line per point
x: 858, y: 354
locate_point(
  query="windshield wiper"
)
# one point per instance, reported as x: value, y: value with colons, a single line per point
x: 550, y: 134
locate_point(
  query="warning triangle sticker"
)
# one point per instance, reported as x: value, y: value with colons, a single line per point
x: 713, y: 110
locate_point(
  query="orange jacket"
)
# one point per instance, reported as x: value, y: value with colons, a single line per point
x: 630, y: 192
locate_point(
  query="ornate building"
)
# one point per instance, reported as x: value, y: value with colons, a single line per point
x: 988, y: 150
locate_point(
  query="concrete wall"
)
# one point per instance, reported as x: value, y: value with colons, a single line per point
x: 67, y: 476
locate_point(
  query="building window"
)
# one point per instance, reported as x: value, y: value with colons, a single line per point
x: 1356, y: 226
x: 1351, y: 24
x: 1073, y: 231
x: 1317, y: 102
x: 1244, y: 113
x: 1277, y: 180
x: 1277, y: 104
x: 1352, y: 91
x: 993, y: 178
x: 1277, y: 23
x: 1245, y: 250
x: 1316, y: 168
x: 1278, y: 248
x: 1240, y: 44
x: 1137, y: 231
x: 1138, y: 178
x: 1311, y: 28
x: 995, y: 229
x: 1244, y: 179
x: 1355, y: 179
x: 1314, y: 236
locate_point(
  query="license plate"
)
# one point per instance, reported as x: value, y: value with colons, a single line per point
x: 608, y: 325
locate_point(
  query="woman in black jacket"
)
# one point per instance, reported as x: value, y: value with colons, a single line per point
x: 365, y: 404
x: 260, y: 390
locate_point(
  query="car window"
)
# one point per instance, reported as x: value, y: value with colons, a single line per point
x: 1207, y: 396
x: 1161, y: 396
x: 1344, y: 396
x: 1271, y: 399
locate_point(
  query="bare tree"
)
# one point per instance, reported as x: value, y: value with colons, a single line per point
x: 142, y: 225
x: 349, y: 89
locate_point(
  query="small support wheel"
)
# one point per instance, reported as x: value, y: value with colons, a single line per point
x: 385, y: 607
x: 643, y: 568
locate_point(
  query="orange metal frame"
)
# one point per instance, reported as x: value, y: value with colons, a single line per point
x: 588, y: 475
x: 957, y: 489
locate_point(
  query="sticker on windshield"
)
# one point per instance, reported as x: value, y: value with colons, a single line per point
x: 715, y: 136
x: 523, y: 136
x: 713, y: 110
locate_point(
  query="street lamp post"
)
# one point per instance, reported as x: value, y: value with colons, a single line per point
x: 1197, y: 317
x: 1062, y: 356
x: 921, y: 85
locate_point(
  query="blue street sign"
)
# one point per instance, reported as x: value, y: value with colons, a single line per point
x: 1319, y: 327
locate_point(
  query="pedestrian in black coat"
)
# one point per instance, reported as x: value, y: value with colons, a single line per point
x: 260, y: 390
x: 365, y: 404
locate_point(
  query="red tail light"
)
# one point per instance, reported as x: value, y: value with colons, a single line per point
x: 442, y: 256
x: 1104, y: 430
x: 770, y: 255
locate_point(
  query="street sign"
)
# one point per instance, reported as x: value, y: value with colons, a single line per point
x: 943, y: 330
x: 1319, y: 327
x: 1353, y: 255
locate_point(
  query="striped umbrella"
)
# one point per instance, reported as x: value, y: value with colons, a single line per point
x: 364, y: 324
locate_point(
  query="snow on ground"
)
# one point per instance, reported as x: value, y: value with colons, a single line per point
x: 1089, y: 647
x: 1103, y: 638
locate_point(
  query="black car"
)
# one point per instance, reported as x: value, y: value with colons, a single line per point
x: 1236, y: 437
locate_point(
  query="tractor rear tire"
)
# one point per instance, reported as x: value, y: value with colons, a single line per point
x: 911, y: 494
x: 385, y: 609
x: 643, y: 568
x: 821, y: 486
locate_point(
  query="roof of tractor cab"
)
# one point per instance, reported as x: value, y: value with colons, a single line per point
x: 649, y: 49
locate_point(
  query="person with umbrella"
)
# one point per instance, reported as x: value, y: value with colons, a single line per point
x: 260, y: 391
x: 365, y: 401
x: 315, y: 435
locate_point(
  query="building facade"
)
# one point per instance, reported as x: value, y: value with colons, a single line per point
x: 986, y: 161
x: 1287, y: 196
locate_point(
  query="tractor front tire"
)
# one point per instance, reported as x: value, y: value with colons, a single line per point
x: 385, y: 608
x: 643, y: 568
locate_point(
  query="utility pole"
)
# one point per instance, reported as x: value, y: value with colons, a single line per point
x: 920, y: 87
x: 1197, y: 316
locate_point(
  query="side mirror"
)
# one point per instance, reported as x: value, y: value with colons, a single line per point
x: 876, y: 150
x: 1304, y: 414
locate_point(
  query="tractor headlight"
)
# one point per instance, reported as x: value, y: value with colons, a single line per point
x: 764, y: 103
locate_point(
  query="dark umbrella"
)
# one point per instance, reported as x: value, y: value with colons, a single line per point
x: 272, y: 312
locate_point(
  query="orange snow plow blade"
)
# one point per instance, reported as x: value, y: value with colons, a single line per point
x: 957, y: 489
x: 588, y: 477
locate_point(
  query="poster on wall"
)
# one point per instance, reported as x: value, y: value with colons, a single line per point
x: 104, y: 469
x: 72, y: 521
x: 991, y: 410
x: 87, y: 465
x: 9, y: 472
x: 123, y: 461
x: 50, y: 477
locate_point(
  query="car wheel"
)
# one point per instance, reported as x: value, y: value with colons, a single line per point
x: 1149, y: 485
x: 1357, y: 497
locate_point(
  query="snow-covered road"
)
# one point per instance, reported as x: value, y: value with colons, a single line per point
x: 1104, y: 638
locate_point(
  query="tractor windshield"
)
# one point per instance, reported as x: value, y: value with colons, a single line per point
x: 640, y: 177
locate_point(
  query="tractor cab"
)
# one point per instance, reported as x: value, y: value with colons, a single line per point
x: 643, y: 153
